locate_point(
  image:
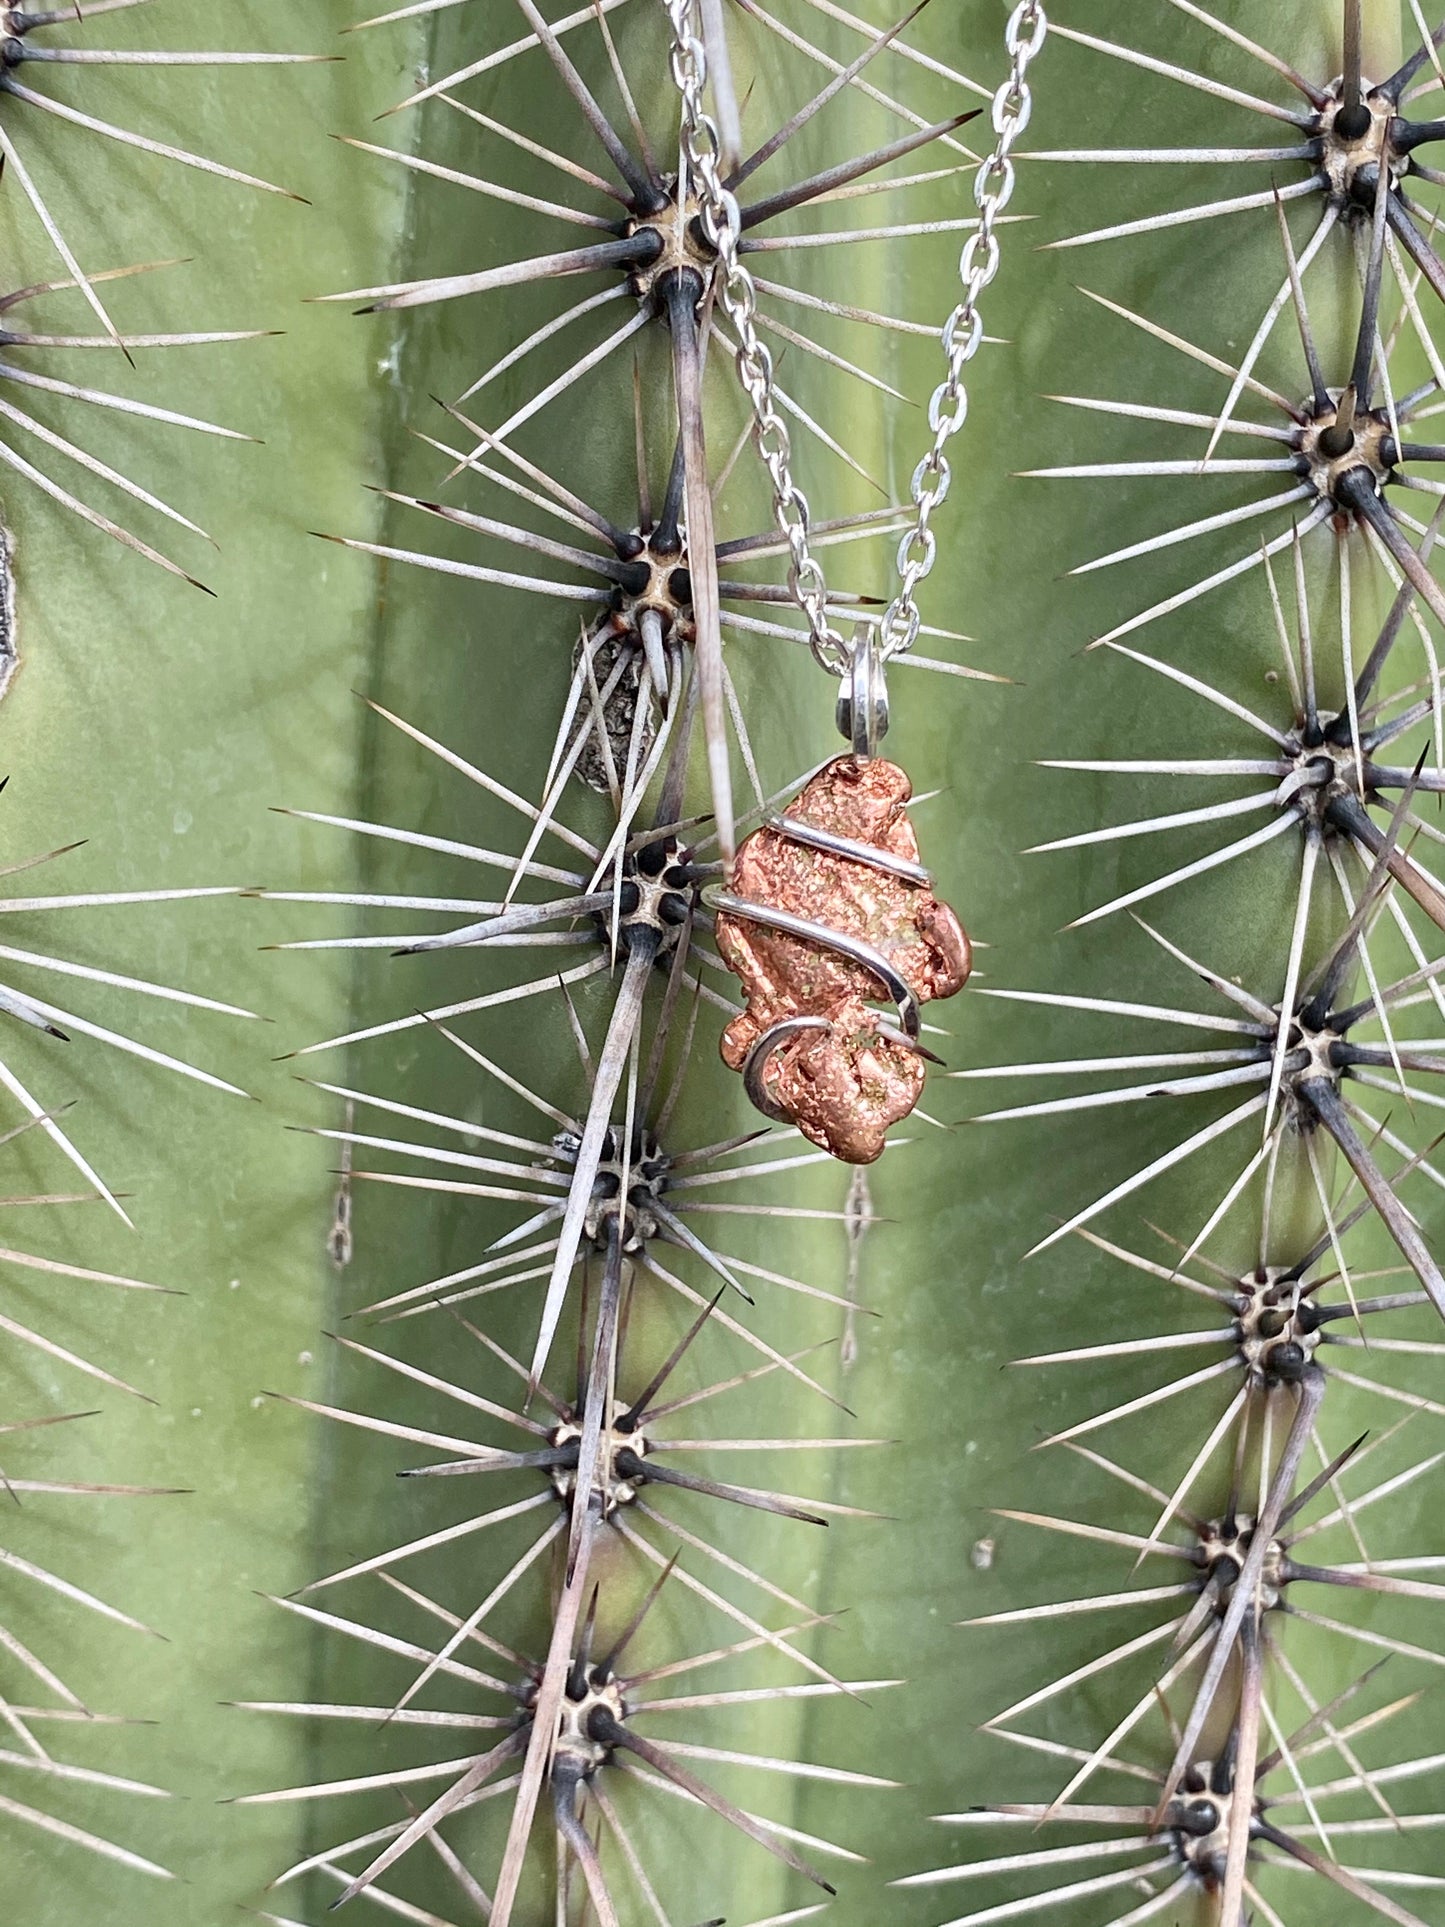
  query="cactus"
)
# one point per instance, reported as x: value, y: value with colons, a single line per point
x: 1123, y: 1352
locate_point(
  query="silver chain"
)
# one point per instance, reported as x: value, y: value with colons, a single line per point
x: 722, y: 222
x: 993, y: 187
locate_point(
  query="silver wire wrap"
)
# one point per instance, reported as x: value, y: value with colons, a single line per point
x: 856, y: 851
x: 993, y: 188
x: 896, y: 987
x: 862, y: 712
x: 760, y: 1056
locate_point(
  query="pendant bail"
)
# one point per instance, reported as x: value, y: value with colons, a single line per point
x: 862, y: 711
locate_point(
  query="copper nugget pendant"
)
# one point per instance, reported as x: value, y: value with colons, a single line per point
x: 831, y: 913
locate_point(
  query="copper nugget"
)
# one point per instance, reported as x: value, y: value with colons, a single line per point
x: 846, y: 1079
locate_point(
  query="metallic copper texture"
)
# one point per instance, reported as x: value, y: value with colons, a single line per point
x: 844, y: 1086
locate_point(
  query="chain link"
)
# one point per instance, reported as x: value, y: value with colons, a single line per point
x: 722, y: 223
x: 993, y: 188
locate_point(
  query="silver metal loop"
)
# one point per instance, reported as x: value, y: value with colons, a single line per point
x: 862, y: 710
x: 777, y: 1036
x: 755, y: 1064
x: 895, y: 986
x: 856, y: 851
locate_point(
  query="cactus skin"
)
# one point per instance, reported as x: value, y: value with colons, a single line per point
x: 160, y: 725
x: 235, y: 1197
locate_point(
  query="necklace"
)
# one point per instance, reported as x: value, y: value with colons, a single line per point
x: 828, y: 909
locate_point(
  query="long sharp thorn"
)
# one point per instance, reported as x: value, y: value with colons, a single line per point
x: 1293, y: 967
x: 1362, y: 371
x: 432, y: 1816
x: 1416, y: 244
x: 1311, y: 1394
x: 724, y: 93
x: 1302, y: 317
x: 1341, y: 1877
x: 1325, y: 1101
x: 1266, y: 327
x: 1246, y: 1758
x: 58, y: 241
x: 702, y: 551
x: 625, y: 1014
x: 643, y: 190
x: 571, y: 1829
x: 1358, y: 490
x: 1351, y: 99
x: 663, y: 1763
x: 598, y: 1401
x: 109, y: 131
x: 840, y: 80
x: 801, y: 192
